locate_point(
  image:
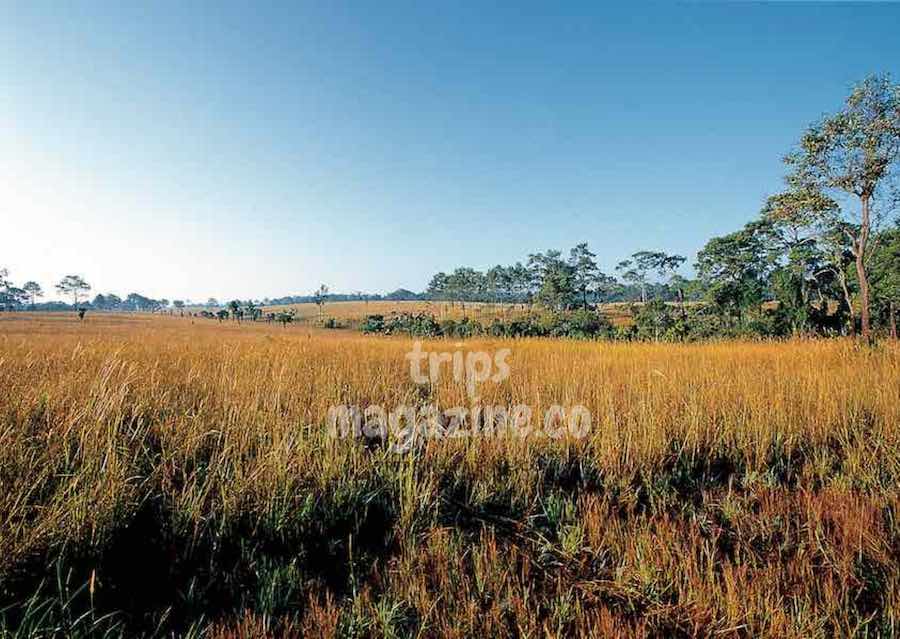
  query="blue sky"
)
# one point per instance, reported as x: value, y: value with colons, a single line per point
x: 260, y: 149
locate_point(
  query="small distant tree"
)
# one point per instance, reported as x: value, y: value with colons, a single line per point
x: 553, y: 279
x: 73, y: 285
x: 34, y: 291
x: 113, y: 302
x: 496, y: 282
x: 521, y: 281
x: 584, y: 270
x: 10, y: 296
x: 605, y: 286
x: 138, y: 302
x: 235, y: 307
x: 253, y: 311
x: 319, y: 297
x: 285, y: 317
x: 636, y: 270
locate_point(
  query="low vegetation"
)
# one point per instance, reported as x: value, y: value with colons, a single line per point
x: 165, y: 477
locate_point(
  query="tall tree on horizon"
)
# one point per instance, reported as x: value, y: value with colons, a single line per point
x: 854, y: 155
x: 636, y: 269
x: 73, y: 285
x: 34, y: 290
x: 584, y: 270
x: 319, y: 297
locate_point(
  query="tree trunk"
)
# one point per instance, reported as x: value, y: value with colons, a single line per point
x: 848, y: 299
x: 861, y: 267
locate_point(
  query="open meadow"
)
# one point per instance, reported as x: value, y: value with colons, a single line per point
x: 160, y: 475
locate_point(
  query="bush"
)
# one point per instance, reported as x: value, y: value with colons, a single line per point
x: 373, y: 324
x: 580, y: 324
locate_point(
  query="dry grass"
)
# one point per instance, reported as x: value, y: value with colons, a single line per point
x: 733, y: 489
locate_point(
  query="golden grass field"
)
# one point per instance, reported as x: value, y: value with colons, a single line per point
x: 182, y: 471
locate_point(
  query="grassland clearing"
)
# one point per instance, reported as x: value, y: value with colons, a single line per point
x: 184, y: 474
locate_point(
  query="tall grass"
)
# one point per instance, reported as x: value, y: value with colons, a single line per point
x: 183, y: 473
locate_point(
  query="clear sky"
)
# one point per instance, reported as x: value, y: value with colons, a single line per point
x: 188, y: 149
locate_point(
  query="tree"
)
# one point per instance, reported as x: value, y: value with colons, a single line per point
x: 632, y: 276
x: 855, y: 154
x: 885, y: 269
x: 464, y: 284
x: 519, y: 281
x: 179, y: 304
x: 637, y: 269
x: 235, y: 307
x: 734, y: 268
x: 212, y: 302
x: 554, y: 279
x: 285, y: 317
x: 138, y: 302
x: 605, y: 286
x: 667, y: 265
x: 73, y: 285
x: 113, y: 302
x: 253, y: 310
x: 34, y: 291
x: 838, y: 262
x: 497, y: 283
x: 437, y: 287
x: 10, y: 296
x: 319, y: 296
x: 794, y: 226
x: 584, y: 270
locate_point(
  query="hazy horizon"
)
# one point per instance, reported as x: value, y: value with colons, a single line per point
x: 237, y: 152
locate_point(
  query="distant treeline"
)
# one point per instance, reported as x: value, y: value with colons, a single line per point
x: 401, y: 294
x: 823, y: 249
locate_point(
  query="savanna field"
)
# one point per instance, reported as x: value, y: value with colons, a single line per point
x: 161, y: 476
